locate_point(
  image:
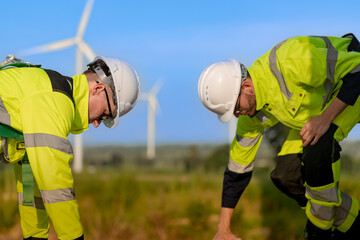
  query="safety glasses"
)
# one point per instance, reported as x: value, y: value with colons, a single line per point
x: 237, y: 106
x: 108, y: 102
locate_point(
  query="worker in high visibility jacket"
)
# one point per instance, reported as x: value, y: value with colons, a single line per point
x: 310, y: 84
x: 45, y: 107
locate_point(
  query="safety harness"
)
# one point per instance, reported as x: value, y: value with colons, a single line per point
x: 8, y: 134
x: 27, y: 175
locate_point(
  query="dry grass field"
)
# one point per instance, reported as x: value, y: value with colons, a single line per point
x: 169, y: 205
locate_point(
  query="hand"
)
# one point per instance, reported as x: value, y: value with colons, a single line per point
x: 220, y: 235
x: 313, y: 129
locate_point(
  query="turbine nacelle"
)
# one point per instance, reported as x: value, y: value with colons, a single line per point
x: 153, y: 103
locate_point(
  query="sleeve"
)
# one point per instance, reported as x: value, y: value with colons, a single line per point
x: 350, y: 89
x: 322, y: 61
x: 243, y: 149
x: 234, y: 185
x: 348, y: 69
x: 302, y: 61
x: 46, y: 119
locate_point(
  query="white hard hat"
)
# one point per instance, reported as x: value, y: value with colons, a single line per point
x: 124, y: 83
x: 219, y: 87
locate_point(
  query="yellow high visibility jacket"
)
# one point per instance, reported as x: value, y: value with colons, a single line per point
x: 298, y: 77
x: 295, y: 80
x: 46, y: 106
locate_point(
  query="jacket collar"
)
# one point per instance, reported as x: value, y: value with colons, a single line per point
x: 81, y: 98
x: 260, y: 87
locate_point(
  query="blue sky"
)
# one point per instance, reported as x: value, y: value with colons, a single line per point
x: 171, y: 41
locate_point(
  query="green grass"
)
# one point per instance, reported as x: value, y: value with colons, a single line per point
x: 129, y: 204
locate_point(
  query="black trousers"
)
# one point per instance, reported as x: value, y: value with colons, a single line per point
x: 288, y: 177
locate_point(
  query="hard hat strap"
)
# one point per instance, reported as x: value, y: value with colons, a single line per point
x: 101, y: 74
x: 103, y: 77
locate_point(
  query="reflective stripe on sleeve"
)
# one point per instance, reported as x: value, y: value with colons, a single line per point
x: 48, y: 140
x: 58, y: 195
x: 4, y: 115
x: 238, y: 168
x: 38, y: 202
x: 331, y: 59
x: 247, y: 142
x: 275, y: 70
x: 262, y: 117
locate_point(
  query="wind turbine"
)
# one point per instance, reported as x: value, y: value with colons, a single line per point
x: 82, y: 48
x: 153, y: 106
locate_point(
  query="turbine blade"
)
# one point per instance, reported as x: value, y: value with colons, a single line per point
x: 154, y: 103
x: 87, y: 51
x: 84, y: 19
x: 156, y: 88
x: 144, y: 96
x: 59, y: 45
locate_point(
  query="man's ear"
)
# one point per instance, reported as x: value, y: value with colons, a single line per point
x: 97, y: 89
x: 247, y: 87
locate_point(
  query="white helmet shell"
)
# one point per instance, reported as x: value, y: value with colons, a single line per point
x: 219, y: 87
x: 126, y: 87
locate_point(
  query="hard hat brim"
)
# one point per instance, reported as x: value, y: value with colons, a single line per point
x: 226, y: 117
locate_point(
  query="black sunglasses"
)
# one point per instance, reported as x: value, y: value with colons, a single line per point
x: 108, y: 102
x: 237, y: 106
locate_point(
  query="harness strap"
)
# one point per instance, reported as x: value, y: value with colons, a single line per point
x: 10, y: 65
x: 9, y: 132
x: 27, y: 175
x: 28, y: 182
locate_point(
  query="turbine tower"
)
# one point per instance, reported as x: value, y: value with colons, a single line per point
x: 153, y: 106
x: 82, y: 48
